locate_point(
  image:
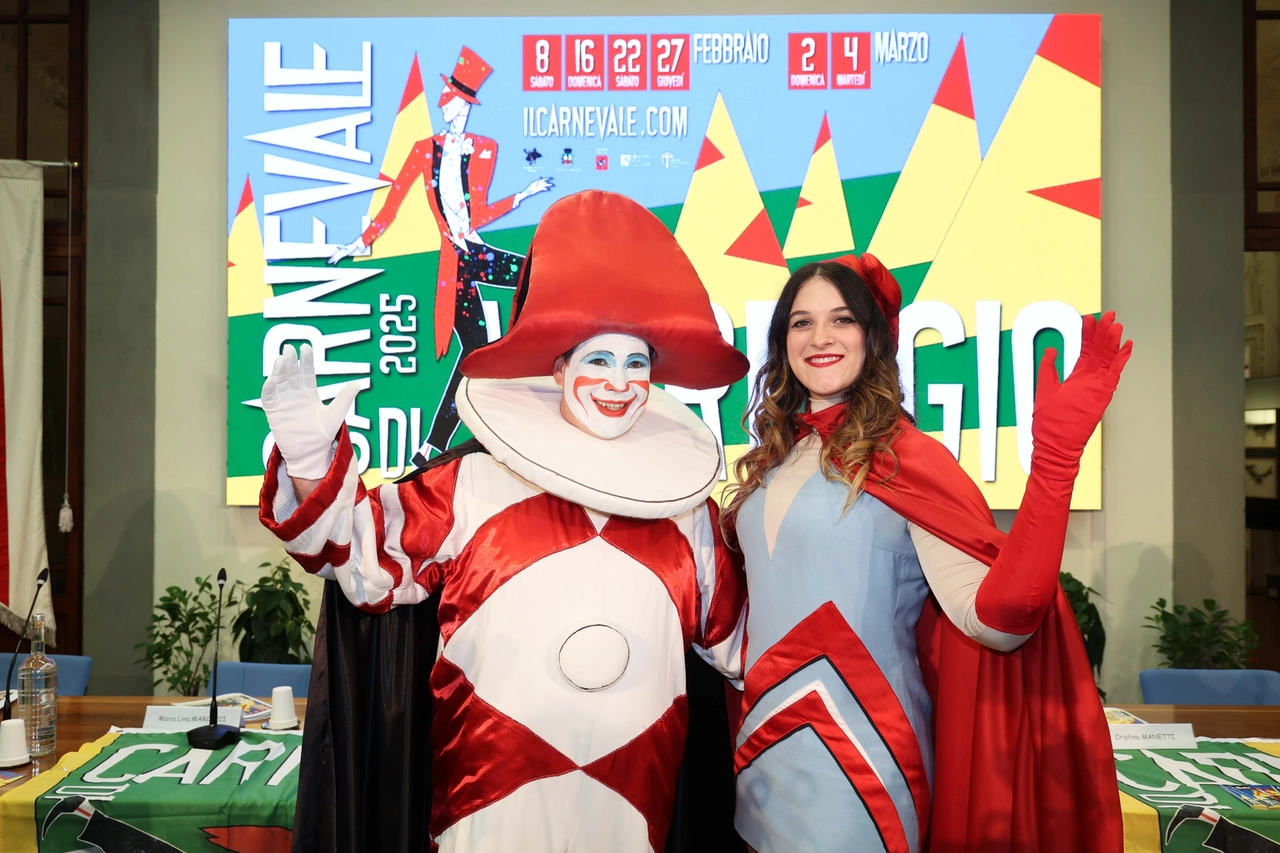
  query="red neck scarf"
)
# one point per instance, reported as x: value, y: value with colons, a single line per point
x: 824, y: 423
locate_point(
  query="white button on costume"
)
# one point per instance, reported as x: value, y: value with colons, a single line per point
x: 594, y: 657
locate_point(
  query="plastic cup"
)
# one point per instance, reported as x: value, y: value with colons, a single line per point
x: 283, y: 714
x: 13, y: 743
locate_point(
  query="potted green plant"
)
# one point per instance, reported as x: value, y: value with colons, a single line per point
x: 179, y: 638
x: 1089, y: 620
x: 273, y: 626
x: 1191, y: 638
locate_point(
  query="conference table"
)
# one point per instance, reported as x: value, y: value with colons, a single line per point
x: 83, y: 719
x: 1172, y: 800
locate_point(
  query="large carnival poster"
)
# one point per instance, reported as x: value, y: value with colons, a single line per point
x: 385, y: 177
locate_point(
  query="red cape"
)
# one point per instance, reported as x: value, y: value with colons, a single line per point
x: 1023, y: 758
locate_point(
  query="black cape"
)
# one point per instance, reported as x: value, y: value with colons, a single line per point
x: 365, y: 779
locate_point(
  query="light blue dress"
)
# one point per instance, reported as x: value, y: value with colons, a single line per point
x: 855, y: 577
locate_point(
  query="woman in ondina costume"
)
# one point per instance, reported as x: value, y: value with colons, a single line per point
x: 915, y: 679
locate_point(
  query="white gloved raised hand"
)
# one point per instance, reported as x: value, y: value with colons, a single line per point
x: 355, y: 247
x: 303, y: 426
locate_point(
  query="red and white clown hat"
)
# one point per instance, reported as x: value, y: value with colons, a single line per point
x: 601, y: 263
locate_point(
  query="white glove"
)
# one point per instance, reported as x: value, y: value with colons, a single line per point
x: 304, y: 427
x: 353, y: 248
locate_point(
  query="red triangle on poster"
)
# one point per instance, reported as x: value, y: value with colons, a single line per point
x: 1084, y: 196
x: 802, y: 202
x: 412, y: 86
x: 1074, y: 42
x: 824, y: 134
x: 758, y: 243
x: 953, y: 92
x: 246, y: 197
x: 709, y: 154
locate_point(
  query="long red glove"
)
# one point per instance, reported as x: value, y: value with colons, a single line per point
x: 1017, y: 592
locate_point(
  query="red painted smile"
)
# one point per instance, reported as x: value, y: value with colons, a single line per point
x: 823, y: 360
x: 612, y: 408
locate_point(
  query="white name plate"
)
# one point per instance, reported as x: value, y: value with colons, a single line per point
x: 1152, y: 736
x: 173, y: 718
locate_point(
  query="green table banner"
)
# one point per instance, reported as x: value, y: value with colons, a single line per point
x: 150, y: 792
x: 1223, y: 796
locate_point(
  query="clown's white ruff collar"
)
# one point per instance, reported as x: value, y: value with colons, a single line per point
x: 666, y: 465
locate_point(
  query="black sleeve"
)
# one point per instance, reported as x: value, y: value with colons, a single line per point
x: 365, y: 779
x: 703, y: 817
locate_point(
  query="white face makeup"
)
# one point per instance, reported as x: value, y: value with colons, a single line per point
x: 605, y: 383
x: 454, y: 108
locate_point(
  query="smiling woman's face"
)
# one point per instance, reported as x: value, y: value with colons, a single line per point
x: 826, y: 346
x: 605, y: 383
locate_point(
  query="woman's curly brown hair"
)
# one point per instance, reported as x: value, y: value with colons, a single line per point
x: 874, y: 401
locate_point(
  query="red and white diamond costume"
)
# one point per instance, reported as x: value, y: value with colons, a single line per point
x: 573, y: 574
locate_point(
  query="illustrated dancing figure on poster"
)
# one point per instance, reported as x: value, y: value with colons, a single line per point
x: 459, y: 168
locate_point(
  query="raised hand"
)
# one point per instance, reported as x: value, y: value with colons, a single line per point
x: 541, y: 185
x: 1066, y: 414
x: 356, y: 245
x: 1023, y: 581
x: 303, y: 426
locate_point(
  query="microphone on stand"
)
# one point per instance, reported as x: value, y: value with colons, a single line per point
x: 40, y: 582
x: 214, y: 736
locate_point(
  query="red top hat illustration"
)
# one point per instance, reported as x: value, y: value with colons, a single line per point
x: 601, y: 263
x: 467, y: 78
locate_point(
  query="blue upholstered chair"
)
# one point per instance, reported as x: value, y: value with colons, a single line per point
x: 73, y: 673
x: 1210, y: 686
x: 259, y: 679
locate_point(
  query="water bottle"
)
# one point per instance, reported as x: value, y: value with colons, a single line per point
x: 38, y: 694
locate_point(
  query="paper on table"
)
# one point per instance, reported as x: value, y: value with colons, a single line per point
x: 1119, y: 716
x: 252, y: 708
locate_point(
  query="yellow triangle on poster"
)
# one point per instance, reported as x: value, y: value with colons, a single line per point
x: 724, y: 228
x: 820, y: 224
x: 414, y: 229
x: 939, y: 170
x: 1030, y: 226
x: 246, y: 289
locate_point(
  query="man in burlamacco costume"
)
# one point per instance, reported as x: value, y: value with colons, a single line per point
x: 575, y: 561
